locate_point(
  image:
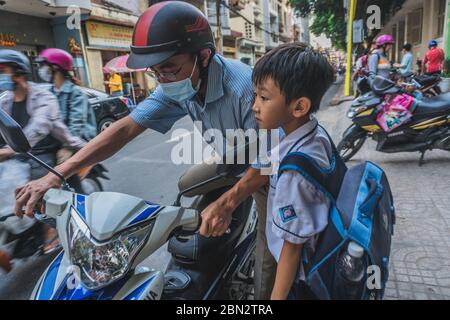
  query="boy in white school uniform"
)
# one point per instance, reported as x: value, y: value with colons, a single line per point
x: 290, y: 82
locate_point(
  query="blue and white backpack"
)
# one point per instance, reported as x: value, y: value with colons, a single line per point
x: 361, y: 211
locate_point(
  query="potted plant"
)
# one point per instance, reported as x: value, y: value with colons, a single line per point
x: 445, y: 83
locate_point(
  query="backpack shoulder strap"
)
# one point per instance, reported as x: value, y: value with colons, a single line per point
x: 328, y: 180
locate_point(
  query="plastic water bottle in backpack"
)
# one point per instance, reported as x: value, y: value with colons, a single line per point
x: 350, y: 270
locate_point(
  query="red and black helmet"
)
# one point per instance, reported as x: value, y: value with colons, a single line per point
x: 166, y: 29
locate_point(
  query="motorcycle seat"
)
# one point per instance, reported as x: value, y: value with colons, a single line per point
x: 433, y: 105
x: 426, y: 80
x: 381, y: 86
x: 198, y: 250
x: 407, y: 74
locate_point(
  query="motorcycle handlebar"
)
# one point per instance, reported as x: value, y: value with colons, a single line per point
x: 41, y: 217
x: 183, y: 232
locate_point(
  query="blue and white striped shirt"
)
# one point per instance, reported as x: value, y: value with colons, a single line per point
x: 228, y: 102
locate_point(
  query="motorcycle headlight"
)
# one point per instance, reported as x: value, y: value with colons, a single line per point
x: 102, y: 263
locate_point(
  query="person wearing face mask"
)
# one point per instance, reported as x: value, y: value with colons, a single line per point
x: 36, y: 110
x: 174, y: 41
x: 55, y: 66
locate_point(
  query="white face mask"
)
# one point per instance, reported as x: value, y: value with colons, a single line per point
x: 182, y: 90
x: 45, y: 73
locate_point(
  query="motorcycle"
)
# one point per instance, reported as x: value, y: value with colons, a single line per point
x: 428, y: 86
x: 106, y: 235
x: 428, y: 129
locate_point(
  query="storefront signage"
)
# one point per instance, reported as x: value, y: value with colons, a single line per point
x: 7, y: 39
x: 108, y: 35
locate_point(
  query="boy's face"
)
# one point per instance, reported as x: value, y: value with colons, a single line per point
x: 270, y: 107
x: 271, y: 110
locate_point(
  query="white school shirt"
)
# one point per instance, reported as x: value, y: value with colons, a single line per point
x: 297, y: 211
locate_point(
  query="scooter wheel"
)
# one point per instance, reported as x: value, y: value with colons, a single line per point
x: 350, y: 145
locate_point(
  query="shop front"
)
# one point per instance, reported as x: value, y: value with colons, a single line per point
x: 34, y: 25
x: 26, y: 34
x: 106, y: 41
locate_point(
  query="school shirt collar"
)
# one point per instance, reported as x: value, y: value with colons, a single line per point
x: 298, y: 137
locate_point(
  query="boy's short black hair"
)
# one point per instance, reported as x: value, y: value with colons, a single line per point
x: 298, y: 70
x: 407, y: 47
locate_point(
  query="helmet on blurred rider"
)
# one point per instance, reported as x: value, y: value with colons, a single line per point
x: 432, y: 43
x: 52, y: 59
x: 17, y: 60
x: 57, y: 57
x: 166, y: 29
x: 384, y: 40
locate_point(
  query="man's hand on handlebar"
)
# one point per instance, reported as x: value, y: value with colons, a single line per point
x: 28, y: 196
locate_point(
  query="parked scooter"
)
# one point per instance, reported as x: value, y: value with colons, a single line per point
x: 428, y: 129
x: 106, y: 235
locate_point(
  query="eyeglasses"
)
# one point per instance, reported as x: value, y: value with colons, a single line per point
x: 171, y: 76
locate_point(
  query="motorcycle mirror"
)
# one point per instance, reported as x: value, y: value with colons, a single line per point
x: 12, y: 134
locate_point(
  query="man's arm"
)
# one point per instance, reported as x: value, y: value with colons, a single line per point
x: 100, y: 148
x: 286, y: 270
x: 217, y: 216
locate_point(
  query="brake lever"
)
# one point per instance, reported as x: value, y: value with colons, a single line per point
x: 43, y: 218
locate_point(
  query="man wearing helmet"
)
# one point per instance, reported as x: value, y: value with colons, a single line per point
x: 379, y: 63
x: 174, y: 41
x: 434, y: 59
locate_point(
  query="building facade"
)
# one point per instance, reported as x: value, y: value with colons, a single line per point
x: 33, y: 25
x: 418, y: 22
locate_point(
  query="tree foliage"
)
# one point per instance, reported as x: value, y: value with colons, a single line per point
x: 329, y: 18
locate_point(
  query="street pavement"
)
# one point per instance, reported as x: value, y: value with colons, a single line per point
x: 420, y: 259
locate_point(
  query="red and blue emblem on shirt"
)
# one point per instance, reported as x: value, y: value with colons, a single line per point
x: 287, y: 213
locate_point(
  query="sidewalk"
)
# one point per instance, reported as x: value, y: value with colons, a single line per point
x: 420, y: 256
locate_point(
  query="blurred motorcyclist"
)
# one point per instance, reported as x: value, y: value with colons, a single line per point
x: 379, y: 64
x: 36, y: 110
x: 55, y: 67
